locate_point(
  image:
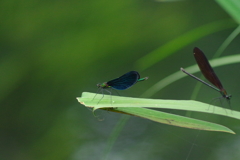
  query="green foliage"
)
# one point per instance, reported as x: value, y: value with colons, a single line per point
x: 134, y: 106
x: 192, y: 69
x: 232, y: 7
x: 52, y: 51
x: 181, y: 42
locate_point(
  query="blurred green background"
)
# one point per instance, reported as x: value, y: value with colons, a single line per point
x: 52, y: 51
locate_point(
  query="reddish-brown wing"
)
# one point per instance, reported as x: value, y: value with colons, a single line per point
x: 206, y: 68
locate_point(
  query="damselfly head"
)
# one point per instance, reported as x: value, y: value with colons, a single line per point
x: 228, y: 97
x: 98, y: 85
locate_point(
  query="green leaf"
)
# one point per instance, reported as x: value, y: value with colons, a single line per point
x: 192, y: 69
x: 181, y: 42
x: 232, y: 7
x: 133, y: 106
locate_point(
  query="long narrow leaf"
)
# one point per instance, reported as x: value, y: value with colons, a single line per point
x: 133, y: 106
x: 232, y: 7
x: 182, y: 41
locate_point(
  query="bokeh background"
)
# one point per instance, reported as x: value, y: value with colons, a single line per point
x: 52, y: 51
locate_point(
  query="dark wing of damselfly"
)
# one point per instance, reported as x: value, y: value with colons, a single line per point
x: 206, y: 68
x: 125, y: 81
